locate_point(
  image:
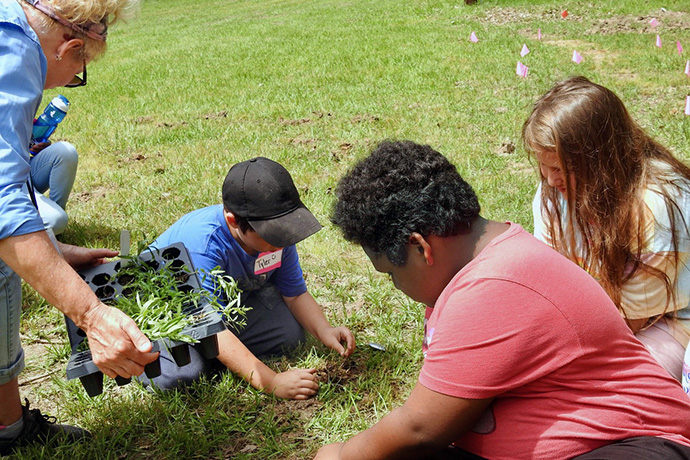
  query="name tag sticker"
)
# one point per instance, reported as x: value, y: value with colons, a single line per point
x: 267, y: 261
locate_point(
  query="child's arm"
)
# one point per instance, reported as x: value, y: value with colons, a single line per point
x: 292, y: 384
x: 425, y: 424
x: 308, y: 313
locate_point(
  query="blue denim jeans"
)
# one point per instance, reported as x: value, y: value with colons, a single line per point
x: 54, y: 168
x: 11, y: 353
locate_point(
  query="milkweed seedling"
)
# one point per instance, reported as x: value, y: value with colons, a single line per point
x: 152, y: 297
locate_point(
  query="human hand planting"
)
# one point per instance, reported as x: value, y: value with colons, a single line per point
x: 334, y: 337
x: 294, y: 384
x: 117, y: 345
x: 309, y: 314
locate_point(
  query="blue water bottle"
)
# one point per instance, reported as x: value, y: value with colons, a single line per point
x: 46, y: 123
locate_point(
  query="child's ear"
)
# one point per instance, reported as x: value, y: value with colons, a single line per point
x: 423, y: 246
x: 230, y: 219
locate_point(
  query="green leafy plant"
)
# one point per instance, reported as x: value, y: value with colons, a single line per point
x: 153, y: 298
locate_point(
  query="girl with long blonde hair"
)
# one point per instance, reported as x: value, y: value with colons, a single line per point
x: 614, y: 201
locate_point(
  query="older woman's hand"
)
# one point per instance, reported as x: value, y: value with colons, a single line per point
x: 117, y: 345
x: 37, y: 147
x: 79, y: 257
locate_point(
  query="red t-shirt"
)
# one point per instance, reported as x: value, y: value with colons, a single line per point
x: 524, y: 325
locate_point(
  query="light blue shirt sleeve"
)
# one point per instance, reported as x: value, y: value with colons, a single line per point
x: 22, y: 78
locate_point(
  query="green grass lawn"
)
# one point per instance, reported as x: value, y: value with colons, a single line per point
x: 194, y: 86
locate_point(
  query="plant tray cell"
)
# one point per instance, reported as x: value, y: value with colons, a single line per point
x: 107, y: 284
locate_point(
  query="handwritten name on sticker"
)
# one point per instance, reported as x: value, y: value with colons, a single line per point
x: 268, y: 261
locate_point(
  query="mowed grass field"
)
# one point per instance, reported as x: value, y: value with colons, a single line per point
x: 193, y: 86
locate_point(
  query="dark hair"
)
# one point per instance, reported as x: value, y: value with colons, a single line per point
x: 401, y: 188
x: 613, y: 161
x: 242, y: 223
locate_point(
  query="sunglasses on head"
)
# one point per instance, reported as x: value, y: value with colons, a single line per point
x: 78, y: 80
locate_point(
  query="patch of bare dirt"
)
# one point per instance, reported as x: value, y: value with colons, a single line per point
x: 517, y: 162
x: 343, y: 152
x: 364, y: 118
x: 98, y: 192
x: 221, y: 114
x: 306, y: 141
x: 316, y: 115
x: 669, y: 20
x: 143, y: 120
x: 297, y: 410
x: 507, y: 148
x: 342, y: 372
x: 510, y: 15
x: 301, y: 121
x: 133, y: 158
x: 320, y: 114
x: 165, y: 124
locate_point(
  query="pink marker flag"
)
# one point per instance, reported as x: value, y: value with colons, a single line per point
x: 564, y: 14
x: 473, y: 38
x: 680, y: 48
x: 525, y: 50
x: 538, y: 34
x: 521, y: 70
x: 653, y: 22
x: 658, y: 41
x: 687, y: 68
x: 576, y: 57
x: 687, y: 105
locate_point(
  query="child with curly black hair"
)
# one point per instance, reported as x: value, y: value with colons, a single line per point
x: 514, y: 367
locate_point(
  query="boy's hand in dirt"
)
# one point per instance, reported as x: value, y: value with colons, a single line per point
x: 294, y: 384
x: 334, y: 337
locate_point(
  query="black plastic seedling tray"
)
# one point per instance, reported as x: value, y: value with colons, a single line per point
x: 105, y: 282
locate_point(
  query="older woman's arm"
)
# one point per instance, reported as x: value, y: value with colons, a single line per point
x: 118, y: 346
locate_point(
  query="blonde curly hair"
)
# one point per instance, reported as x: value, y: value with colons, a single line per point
x: 82, y: 12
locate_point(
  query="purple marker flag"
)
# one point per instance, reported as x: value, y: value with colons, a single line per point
x: 687, y: 105
x: 658, y: 41
x: 538, y: 34
x: 473, y: 38
x: 680, y: 48
x: 576, y: 57
x: 521, y: 70
x: 653, y: 22
x: 525, y: 50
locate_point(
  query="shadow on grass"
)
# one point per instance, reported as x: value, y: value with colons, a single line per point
x: 224, y: 418
x: 88, y: 233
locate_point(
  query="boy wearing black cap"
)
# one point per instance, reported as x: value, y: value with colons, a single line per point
x: 252, y: 237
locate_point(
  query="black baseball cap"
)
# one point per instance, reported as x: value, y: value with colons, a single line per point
x: 262, y: 192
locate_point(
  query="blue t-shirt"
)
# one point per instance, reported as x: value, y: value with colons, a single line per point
x: 207, y: 237
x: 23, y: 71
